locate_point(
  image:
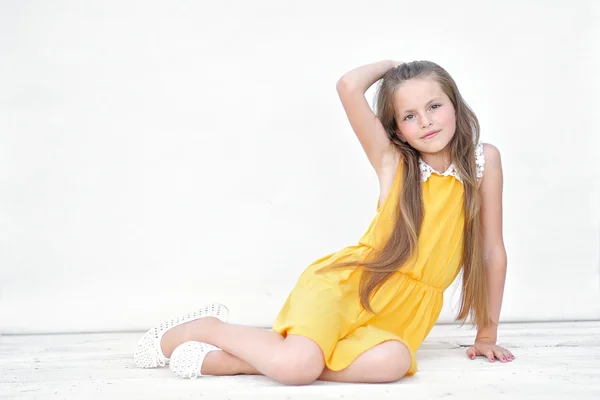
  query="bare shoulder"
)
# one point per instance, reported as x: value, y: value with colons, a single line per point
x: 490, y: 189
x: 491, y: 154
x: 493, y: 164
x: 387, y: 173
x: 389, y: 165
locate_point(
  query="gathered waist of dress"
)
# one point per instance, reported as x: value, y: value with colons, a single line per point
x: 421, y: 283
x: 369, y: 250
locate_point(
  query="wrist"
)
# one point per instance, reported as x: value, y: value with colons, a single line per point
x: 489, y: 333
x: 485, y: 339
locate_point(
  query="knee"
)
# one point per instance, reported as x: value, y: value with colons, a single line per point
x: 298, y: 364
x: 394, y: 360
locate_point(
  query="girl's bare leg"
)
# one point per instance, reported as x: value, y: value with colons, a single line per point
x: 294, y: 360
x: 386, y: 362
x: 221, y: 363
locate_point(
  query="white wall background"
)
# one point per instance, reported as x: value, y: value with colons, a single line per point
x: 158, y: 155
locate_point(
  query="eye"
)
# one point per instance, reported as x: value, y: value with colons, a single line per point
x: 408, y: 119
x: 435, y: 106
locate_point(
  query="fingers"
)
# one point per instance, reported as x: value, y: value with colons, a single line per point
x: 490, y: 355
x: 500, y: 354
x: 471, y: 353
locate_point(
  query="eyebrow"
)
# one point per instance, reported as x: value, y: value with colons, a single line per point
x: 428, y: 103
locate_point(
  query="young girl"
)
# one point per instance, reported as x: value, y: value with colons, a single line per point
x: 361, y: 313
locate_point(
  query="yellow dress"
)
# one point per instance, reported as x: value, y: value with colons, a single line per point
x: 325, y: 307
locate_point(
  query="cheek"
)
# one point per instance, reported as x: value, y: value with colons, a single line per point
x: 447, y: 117
x: 409, y: 130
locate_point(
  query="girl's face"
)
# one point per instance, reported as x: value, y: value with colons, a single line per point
x: 425, y: 116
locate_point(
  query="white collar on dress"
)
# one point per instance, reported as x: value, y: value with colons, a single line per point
x: 427, y: 170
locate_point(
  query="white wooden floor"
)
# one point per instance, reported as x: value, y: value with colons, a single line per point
x: 554, y: 361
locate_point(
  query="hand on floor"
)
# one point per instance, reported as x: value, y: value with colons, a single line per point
x: 489, y: 349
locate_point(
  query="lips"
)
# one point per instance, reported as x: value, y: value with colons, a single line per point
x: 430, y: 134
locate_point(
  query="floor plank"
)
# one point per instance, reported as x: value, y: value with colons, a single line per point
x: 554, y: 361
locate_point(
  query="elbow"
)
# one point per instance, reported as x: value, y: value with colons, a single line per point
x: 342, y: 85
x: 496, y: 257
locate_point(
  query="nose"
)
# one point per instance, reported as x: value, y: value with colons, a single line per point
x: 425, y: 122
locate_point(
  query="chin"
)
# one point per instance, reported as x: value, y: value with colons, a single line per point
x: 441, y: 143
x: 434, y: 146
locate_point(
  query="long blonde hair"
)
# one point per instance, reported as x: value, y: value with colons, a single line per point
x: 403, y: 241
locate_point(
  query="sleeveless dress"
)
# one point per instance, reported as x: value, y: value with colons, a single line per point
x: 325, y: 307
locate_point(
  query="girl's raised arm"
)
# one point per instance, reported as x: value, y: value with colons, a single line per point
x: 351, y: 88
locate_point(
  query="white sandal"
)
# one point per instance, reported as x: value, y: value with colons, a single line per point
x: 148, y: 352
x: 187, y: 359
